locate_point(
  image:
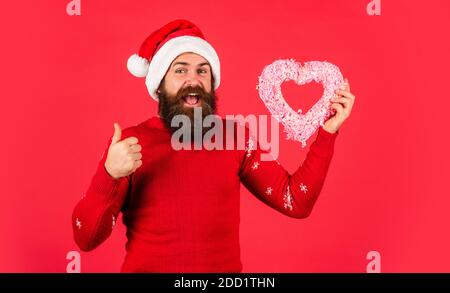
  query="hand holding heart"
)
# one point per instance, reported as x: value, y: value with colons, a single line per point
x: 342, y: 104
x: 300, y: 126
x: 124, y: 156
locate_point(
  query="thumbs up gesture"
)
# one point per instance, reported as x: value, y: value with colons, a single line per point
x: 124, y: 156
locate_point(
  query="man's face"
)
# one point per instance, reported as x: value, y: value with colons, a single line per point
x: 188, y: 69
x: 186, y: 85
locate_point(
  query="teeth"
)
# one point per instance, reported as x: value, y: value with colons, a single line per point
x: 192, y: 94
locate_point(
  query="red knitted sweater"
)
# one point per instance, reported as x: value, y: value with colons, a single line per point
x: 181, y: 208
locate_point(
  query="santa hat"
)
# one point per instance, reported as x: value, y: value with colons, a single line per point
x: 165, y: 45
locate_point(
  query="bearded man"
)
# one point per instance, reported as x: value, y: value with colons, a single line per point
x: 181, y: 208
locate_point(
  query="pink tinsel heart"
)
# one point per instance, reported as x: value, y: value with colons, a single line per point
x: 299, y: 126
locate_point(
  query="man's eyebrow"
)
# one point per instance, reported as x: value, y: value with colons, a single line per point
x: 180, y: 63
x: 204, y: 63
x: 185, y: 64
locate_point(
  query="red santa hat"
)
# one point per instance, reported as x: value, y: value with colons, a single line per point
x: 165, y: 45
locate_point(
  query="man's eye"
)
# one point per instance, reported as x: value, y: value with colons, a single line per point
x: 202, y: 71
x: 179, y: 70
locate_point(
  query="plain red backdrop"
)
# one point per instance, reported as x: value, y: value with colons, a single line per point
x: 64, y: 82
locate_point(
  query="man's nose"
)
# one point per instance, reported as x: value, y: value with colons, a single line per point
x: 192, y: 80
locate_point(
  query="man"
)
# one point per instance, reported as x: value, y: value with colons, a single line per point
x: 181, y: 208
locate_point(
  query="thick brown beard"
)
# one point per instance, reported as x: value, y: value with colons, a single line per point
x: 170, y: 106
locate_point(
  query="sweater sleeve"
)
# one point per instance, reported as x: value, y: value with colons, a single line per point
x: 293, y: 195
x: 95, y: 215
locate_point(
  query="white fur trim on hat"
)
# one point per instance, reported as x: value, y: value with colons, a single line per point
x: 160, y: 63
x: 137, y: 65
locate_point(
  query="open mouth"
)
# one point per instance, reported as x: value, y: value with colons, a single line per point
x: 191, y: 100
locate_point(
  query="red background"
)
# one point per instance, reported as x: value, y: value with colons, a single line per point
x: 64, y: 82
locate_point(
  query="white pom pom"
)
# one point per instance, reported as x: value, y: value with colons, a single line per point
x: 137, y: 65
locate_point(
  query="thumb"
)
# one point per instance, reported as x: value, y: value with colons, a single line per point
x: 117, y: 133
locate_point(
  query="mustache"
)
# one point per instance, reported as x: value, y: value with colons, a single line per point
x: 197, y: 90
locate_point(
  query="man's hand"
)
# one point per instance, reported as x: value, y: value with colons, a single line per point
x: 124, y: 156
x: 343, y: 105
